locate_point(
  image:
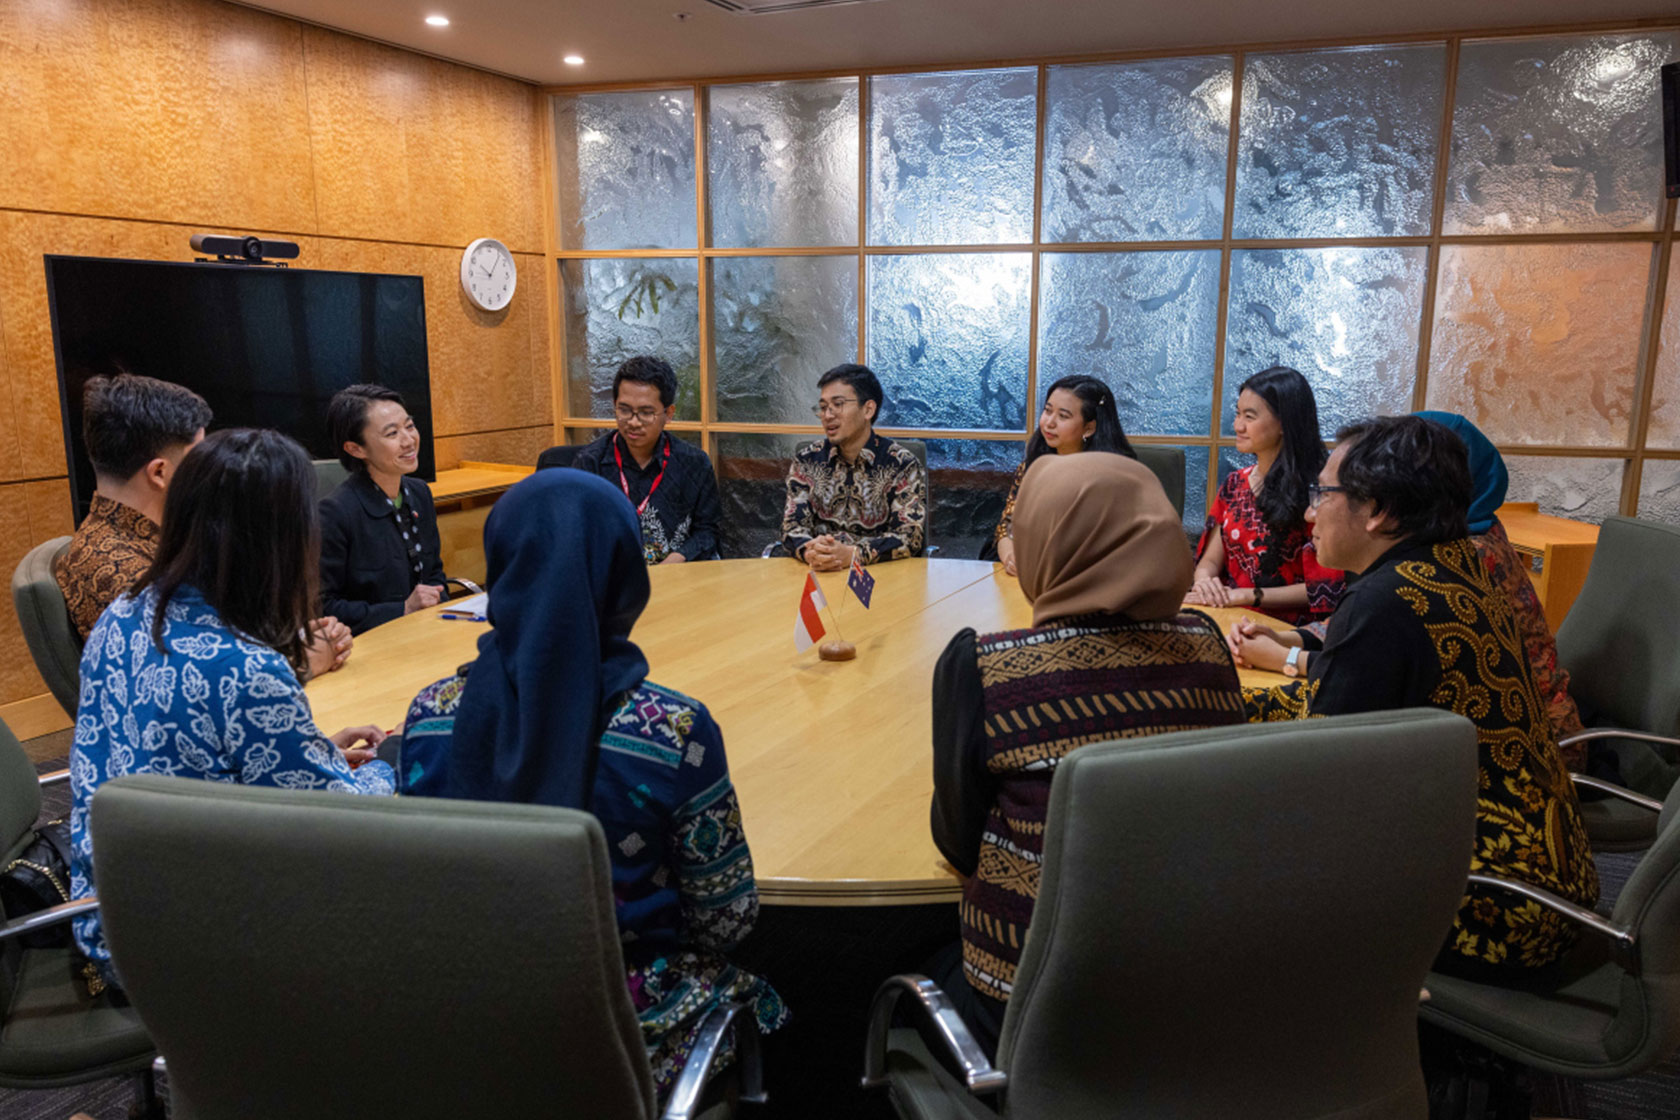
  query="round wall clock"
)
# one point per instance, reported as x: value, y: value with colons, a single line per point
x: 488, y: 275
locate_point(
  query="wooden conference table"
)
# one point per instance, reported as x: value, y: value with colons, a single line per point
x: 831, y: 759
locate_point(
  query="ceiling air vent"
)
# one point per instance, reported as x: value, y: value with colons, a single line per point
x: 766, y: 7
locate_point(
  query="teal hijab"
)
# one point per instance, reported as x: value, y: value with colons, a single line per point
x: 1488, y: 476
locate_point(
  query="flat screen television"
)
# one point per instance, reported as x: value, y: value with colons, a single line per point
x: 265, y: 347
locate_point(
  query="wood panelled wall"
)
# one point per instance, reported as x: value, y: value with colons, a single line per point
x: 126, y: 125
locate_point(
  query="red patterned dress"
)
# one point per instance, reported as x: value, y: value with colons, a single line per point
x: 1236, y: 519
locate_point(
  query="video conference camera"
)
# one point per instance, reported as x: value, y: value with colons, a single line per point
x: 244, y: 250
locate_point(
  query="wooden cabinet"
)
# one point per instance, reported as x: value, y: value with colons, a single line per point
x: 463, y: 498
x: 1559, y: 552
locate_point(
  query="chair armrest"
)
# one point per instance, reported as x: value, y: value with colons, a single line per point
x: 1615, y: 790
x: 978, y: 1073
x: 1622, y: 944
x: 772, y: 549
x: 472, y: 588
x: 930, y: 550
x: 53, y: 777
x: 1615, y: 733
x: 684, y: 1102
x: 51, y: 916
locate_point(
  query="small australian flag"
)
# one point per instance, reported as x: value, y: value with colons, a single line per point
x: 861, y: 583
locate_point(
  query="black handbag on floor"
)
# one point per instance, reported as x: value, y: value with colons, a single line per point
x: 38, y: 878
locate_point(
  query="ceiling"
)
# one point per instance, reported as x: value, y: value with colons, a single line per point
x: 640, y: 40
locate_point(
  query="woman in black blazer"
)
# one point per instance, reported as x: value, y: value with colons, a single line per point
x: 379, y: 537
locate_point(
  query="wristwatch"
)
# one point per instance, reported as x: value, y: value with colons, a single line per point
x: 1292, y: 663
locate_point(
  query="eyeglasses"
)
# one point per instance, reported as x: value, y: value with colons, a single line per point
x: 645, y: 415
x: 836, y: 406
x: 1315, y: 493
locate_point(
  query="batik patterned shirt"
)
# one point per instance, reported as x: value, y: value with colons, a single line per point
x: 682, y: 874
x: 1509, y: 573
x: 878, y: 504
x: 1425, y: 626
x: 111, y: 550
x: 677, y: 498
x: 212, y: 705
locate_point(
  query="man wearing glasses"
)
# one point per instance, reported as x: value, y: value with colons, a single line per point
x: 853, y: 493
x: 670, y: 482
x: 1425, y: 626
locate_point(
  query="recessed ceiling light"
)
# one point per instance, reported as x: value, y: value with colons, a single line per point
x: 573, y: 60
x: 438, y: 21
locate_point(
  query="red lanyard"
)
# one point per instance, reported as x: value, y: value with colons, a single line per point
x: 624, y: 484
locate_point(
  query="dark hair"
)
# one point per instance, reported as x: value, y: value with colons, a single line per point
x: 862, y: 381
x: 129, y: 420
x: 645, y: 369
x: 1414, y: 470
x: 1096, y: 402
x: 239, y: 525
x: 347, y: 416
x: 1282, y: 497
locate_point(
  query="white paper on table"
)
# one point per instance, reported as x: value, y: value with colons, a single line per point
x: 473, y: 606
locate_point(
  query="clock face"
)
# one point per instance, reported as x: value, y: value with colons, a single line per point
x: 487, y: 274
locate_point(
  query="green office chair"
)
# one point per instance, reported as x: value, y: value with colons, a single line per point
x: 52, y: 1034
x: 468, y: 951
x: 1621, y: 645
x: 1231, y: 923
x: 329, y: 474
x: 47, y: 628
x: 1167, y: 464
x: 1613, y: 1009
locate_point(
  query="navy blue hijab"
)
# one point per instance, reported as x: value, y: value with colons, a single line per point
x: 567, y: 583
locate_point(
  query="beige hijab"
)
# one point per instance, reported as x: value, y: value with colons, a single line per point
x: 1096, y: 533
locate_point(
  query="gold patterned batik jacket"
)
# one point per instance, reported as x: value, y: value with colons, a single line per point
x: 1426, y: 626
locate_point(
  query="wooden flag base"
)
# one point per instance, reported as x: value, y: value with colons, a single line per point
x: 837, y: 651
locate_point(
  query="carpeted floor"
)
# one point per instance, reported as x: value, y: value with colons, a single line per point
x: 831, y: 1045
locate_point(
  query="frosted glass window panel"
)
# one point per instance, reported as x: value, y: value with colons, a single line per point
x: 1539, y: 344
x: 1145, y: 323
x: 617, y: 309
x: 1339, y: 143
x: 752, y: 487
x: 951, y: 157
x: 968, y: 480
x: 626, y: 170
x: 777, y: 324
x: 1347, y: 318
x: 1195, y: 488
x: 1136, y: 151
x: 782, y: 163
x: 948, y: 338
x: 1558, y: 134
x: 1580, y: 489
x: 1659, y: 491
x: 1664, y: 430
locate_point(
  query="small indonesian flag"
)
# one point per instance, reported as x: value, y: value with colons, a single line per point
x: 807, y: 624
